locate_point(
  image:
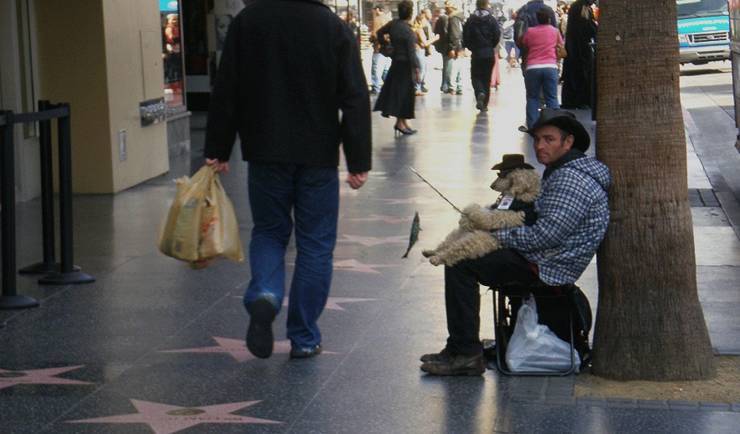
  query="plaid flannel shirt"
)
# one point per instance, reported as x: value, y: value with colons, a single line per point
x: 572, y: 217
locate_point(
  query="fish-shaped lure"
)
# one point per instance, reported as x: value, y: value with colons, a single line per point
x: 414, y: 236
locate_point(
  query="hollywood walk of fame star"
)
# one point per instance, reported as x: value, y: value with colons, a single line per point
x: 409, y: 201
x: 237, y: 349
x: 381, y: 218
x: 167, y: 419
x: 334, y: 303
x: 355, y: 266
x: 374, y: 241
x: 358, y: 267
x: 37, y: 376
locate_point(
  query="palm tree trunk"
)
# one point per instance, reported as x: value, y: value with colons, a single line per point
x: 649, y: 325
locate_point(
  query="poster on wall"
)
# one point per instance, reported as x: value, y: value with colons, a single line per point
x: 169, y: 11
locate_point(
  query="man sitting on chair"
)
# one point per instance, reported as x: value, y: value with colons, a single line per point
x: 573, y: 215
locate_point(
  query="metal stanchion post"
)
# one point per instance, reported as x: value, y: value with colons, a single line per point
x: 9, y: 298
x: 49, y: 264
x: 67, y: 275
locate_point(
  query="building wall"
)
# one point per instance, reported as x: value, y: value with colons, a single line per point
x: 104, y: 57
x: 133, y: 40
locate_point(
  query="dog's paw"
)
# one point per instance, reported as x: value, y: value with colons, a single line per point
x: 428, y: 253
x: 435, y: 260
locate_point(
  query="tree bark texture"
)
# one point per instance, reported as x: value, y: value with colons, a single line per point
x: 649, y: 324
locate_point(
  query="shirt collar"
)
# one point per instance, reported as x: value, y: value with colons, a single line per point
x: 571, y: 155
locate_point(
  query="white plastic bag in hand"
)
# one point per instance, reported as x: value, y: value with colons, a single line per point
x: 534, y: 347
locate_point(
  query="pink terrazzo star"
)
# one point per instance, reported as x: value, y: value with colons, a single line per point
x: 166, y: 419
x: 374, y: 241
x: 410, y: 201
x: 356, y: 266
x: 359, y: 267
x: 37, y: 376
x: 381, y: 218
x: 236, y: 348
x: 333, y: 303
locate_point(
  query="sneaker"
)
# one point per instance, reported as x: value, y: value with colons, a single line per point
x: 457, y: 365
x: 424, y: 89
x: 305, y: 352
x: 459, y: 92
x: 436, y: 357
x: 259, y: 334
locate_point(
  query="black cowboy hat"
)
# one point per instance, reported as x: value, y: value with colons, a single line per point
x: 511, y: 162
x: 564, y: 120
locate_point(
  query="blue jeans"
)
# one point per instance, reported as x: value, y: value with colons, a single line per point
x: 378, y: 70
x: 536, y: 80
x: 453, y: 77
x: 421, y: 56
x: 312, y: 195
x: 508, y: 46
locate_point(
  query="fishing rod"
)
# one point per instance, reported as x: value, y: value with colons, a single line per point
x: 434, y: 188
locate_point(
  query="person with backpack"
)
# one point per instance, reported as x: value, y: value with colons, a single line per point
x: 541, y: 73
x: 526, y: 17
x: 481, y: 35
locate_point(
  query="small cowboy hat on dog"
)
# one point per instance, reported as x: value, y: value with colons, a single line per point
x: 511, y: 162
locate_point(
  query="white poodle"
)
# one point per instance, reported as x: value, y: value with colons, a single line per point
x: 473, y: 237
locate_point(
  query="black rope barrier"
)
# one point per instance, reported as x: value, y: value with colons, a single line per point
x: 64, y: 273
x: 10, y: 299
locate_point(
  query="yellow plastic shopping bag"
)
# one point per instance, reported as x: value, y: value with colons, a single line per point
x: 201, y: 223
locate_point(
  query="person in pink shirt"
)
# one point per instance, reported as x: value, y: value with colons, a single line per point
x: 542, y: 66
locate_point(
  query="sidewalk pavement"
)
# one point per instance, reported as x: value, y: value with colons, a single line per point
x: 153, y: 346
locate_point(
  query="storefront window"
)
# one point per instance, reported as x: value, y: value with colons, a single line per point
x: 172, y: 52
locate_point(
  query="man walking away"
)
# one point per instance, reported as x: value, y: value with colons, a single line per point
x: 290, y: 136
x: 440, y: 31
x: 481, y: 35
x: 454, y: 48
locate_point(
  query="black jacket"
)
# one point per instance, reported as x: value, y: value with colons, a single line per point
x: 481, y: 34
x: 403, y: 40
x: 287, y: 68
x: 455, y: 32
x: 440, y: 29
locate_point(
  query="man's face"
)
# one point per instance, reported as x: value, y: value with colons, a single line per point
x: 549, y: 144
x: 427, y: 14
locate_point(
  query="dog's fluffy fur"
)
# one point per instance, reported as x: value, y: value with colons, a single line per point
x: 473, y: 238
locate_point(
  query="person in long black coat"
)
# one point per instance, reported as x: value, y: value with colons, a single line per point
x: 578, y: 66
x: 397, y: 95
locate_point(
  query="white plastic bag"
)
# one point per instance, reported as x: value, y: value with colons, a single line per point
x: 534, y: 347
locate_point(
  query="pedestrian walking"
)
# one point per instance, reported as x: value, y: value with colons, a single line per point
x: 541, y: 74
x: 578, y: 66
x: 380, y: 63
x: 290, y: 136
x: 397, y: 95
x: 454, y: 49
x: 526, y: 17
x: 481, y: 35
x: 440, y: 31
x: 507, y: 35
x: 424, y: 40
